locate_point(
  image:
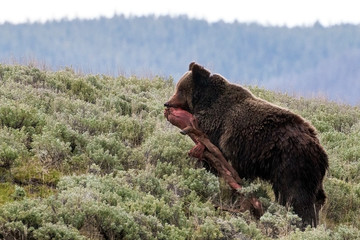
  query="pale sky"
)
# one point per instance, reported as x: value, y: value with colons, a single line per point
x: 268, y: 12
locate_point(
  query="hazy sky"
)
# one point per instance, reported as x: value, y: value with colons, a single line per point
x: 274, y: 12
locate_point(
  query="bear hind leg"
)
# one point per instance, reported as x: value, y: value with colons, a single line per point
x: 302, y: 201
x: 307, y: 211
x: 304, y: 204
x: 320, y: 201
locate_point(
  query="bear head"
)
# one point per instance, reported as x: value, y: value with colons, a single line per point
x: 197, y: 84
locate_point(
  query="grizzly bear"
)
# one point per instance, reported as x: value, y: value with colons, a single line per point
x: 258, y: 138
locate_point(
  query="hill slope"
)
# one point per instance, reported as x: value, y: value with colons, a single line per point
x: 91, y: 156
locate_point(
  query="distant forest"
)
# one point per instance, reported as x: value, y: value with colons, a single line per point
x: 308, y: 61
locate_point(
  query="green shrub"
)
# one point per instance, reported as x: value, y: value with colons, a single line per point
x: 61, y: 80
x: 160, y: 147
x: 343, y: 203
x: 77, y: 164
x: 57, y: 231
x: 16, y: 138
x: 121, y: 103
x: 319, y: 233
x: 19, y: 219
x: 84, y: 91
x: 66, y: 134
x: 339, y: 233
x: 346, y: 232
x: 204, y: 183
x: 277, y: 221
x: 27, y: 75
x: 8, y: 155
x: 51, y: 151
x: 19, y: 193
x: 18, y: 116
x: 108, y: 152
x: 133, y: 131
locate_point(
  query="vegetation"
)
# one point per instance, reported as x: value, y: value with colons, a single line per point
x: 92, y: 157
x: 306, y: 60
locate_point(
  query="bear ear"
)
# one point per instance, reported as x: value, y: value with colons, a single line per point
x: 198, y: 71
x: 191, y: 65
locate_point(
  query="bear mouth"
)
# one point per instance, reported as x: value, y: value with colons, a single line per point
x: 169, y: 110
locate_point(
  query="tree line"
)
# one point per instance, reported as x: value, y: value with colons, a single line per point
x: 308, y: 60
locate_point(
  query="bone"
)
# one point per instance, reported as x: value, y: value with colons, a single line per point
x: 207, y: 151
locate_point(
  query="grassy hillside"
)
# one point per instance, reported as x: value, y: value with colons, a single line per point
x: 91, y: 156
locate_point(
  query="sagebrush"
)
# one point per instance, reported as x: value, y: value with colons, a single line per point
x: 91, y: 156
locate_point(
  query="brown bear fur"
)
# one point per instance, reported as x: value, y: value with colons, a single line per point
x: 258, y: 138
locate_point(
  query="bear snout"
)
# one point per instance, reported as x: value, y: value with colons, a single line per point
x: 167, y: 104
